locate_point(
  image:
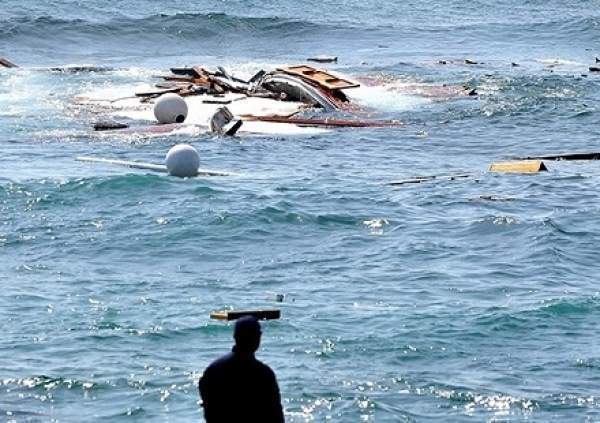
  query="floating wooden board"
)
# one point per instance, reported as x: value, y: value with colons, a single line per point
x: 320, y: 77
x: 233, y: 315
x: 566, y: 156
x: 524, y: 166
x: 343, y: 123
x: 7, y: 63
x: 158, y: 92
x: 323, y: 59
x: 419, y: 179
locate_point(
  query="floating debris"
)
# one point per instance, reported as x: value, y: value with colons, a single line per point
x: 328, y: 122
x: 524, y: 166
x: 419, y: 179
x: 323, y: 59
x: 271, y: 314
x: 565, y: 156
x: 7, y: 63
x: 108, y: 126
x: 182, y: 160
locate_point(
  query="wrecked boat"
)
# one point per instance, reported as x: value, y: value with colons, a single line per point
x: 221, y: 103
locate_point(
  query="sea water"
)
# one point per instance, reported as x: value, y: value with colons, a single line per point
x: 452, y: 300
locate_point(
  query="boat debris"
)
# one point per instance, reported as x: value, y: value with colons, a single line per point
x: 419, y: 179
x: 323, y: 59
x: 327, y: 122
x: 223, y: 122
x: 565, y: 156
x: 82, y: 69
x: 109, y: 126
x: 182, y: 161
x: 5, y: 63
x: 523, y: 166
x: 269, y: 314
x: 187, y: 94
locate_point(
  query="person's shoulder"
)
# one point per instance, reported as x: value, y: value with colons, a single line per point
x: 220, y: 362
x: 265, y: 369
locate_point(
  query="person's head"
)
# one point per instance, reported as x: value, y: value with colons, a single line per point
x: 247, y: 334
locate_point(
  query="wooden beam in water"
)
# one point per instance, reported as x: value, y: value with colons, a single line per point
x: 523, y: 166
x: 7, y: 63
x: 348, y: 123
x: 236, y: 314
x: 419, y: 179
x: 565, y: 156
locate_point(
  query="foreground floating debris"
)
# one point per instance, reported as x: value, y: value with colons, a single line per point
x: 182, y: 160
x: 270, y: 314
x: 5, y: 63
x: 327, y: 122
x: 523, y: 166
x: 566, y: 156
x: 419, y: 179
x: 109, y: 126
x: 323, y: 59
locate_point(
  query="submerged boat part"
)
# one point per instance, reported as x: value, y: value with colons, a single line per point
x: 292, y: 88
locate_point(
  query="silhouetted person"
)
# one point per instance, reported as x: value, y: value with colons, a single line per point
x: 239, y: 388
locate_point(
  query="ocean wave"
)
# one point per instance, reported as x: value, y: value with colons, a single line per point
x: 548, y: 313
x: 180, y: 25
x: 47, y: 383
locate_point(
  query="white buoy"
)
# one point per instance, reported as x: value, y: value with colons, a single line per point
x: 183, y: 161
x: 170, y: 108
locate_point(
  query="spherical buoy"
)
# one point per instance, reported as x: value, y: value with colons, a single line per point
x: 183, y: 161
x: 170, y: 108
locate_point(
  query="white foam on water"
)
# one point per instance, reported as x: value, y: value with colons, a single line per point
x: 381, y: 98
x: 558, y: 62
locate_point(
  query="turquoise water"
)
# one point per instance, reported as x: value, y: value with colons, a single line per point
x: 465, y: 300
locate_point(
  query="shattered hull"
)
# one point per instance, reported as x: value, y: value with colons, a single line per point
x: 107, y: 105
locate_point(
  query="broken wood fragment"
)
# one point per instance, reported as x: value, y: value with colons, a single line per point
x: 182, y: 71
x: 157, y: 93
x: 523, y: 166
x: 419, y: 179
x: 7, y: 63
x: 233, y: 315
x: 319, y: 77
x: 108, y: 126
x: 199, y: 72
x: 323, y: 59
x: 354, y: 123
x: 566, y: 156
x: 80, y: 69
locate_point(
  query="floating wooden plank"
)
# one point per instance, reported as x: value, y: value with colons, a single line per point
x: 156, y: 93
x: 82, y: 69
x: 217, y: 101
x: 7, y: 63
x: 419, y: 179
x: 177, y: 78
x: 323, y: 59
x: 320, y: 77
x: 182, y: 71
x: 199, y: 72
x: 594, y: 69
x: 523, y: 166
x: 233, y: 315
x: 347, y: 123
x: 566, y: 156
x: 109, y: 126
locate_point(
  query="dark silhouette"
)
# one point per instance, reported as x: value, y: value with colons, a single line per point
x: 239, y: 388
